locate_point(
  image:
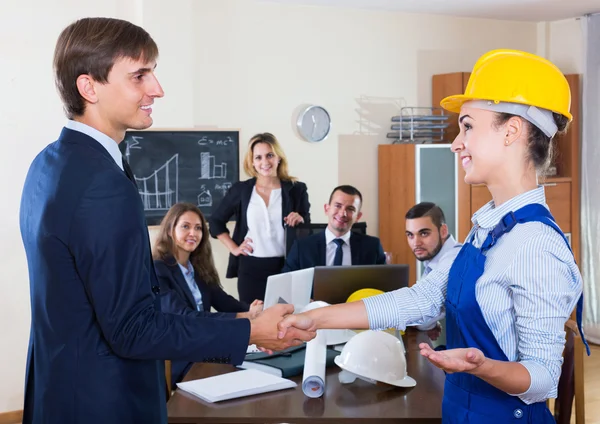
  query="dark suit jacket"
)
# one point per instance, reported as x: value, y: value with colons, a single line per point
x: 177, y: 298
x: 294, y: 198
x: 311, y: 251
x: 98, y: 338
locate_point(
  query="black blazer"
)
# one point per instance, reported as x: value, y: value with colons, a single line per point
x: 177, y: 298
x: 310, y: 251
x: 294, y: 198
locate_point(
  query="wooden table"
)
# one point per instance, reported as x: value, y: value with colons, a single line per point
x: 359, y: 402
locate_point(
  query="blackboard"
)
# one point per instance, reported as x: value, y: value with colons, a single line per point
x: 182, y: 166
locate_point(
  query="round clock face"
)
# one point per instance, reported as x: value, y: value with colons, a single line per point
x: 314, y: 123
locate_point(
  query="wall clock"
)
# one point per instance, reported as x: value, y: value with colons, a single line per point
x: 314, y: 123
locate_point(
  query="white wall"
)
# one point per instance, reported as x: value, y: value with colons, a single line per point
x: 233, y: 64
x: 561, y: 42
x: 566, y: 45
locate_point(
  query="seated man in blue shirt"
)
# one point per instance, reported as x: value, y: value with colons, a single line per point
x: 337, y: 245
x: 428, y: 237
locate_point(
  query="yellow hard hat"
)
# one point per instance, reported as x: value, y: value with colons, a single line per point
x: 516, y: 77
x: 362, y: 293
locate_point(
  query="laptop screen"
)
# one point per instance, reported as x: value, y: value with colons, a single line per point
x: 291, y: 287
x: 334, y: 284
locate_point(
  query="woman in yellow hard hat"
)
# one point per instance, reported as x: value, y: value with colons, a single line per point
x: 514, y: 283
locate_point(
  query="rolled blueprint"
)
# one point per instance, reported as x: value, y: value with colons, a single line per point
x: 313, y: 379
x: 332, y: 337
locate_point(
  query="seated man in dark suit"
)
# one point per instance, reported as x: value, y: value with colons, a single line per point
x: 337, y: 245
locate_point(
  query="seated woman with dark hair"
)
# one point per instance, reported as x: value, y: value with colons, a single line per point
x: 189, y: 282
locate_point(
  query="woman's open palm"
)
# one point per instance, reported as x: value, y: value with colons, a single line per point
x: 454, y: 360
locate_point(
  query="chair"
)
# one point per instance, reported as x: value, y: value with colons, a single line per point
x: 12, y: 417
x: 304, y: 230
x: 563, y: 406
x: 168, y: 378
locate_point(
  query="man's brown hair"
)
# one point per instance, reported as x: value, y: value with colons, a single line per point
x: 92, y: 46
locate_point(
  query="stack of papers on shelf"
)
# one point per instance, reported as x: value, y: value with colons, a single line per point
x: 235, y: 385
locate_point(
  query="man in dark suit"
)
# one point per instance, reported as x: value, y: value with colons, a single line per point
x: 98, y: 336
x: 337, y: 245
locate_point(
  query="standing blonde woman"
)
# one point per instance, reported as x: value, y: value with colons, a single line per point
x: 261, y: 206
x: 514, y: 283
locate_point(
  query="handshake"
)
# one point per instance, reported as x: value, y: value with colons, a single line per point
x: 276, y: 329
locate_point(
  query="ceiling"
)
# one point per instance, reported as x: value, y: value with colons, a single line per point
x: 518, y: 10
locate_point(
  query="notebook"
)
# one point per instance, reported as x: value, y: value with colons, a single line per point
x: 235, y: 385
x: 285, y: 364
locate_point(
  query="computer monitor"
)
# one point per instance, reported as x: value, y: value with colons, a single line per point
x: 334, y: 284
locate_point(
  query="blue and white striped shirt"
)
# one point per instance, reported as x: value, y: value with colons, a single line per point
x: 528, y: 290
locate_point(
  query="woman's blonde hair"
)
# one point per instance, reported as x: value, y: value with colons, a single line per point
x: 271, y: 140
x: 201, y: 258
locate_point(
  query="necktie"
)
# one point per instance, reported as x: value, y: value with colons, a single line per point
x: 339, y: 254
x: 128, y: 171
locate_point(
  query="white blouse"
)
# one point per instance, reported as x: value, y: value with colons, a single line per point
x: 265, y: 225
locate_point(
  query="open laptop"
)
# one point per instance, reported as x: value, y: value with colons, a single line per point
x: 334, y: 284
x: 290, y: 287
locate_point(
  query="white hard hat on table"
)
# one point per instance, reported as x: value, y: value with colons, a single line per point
x: 375, y: 356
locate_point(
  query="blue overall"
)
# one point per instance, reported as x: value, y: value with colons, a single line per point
x: 469, y: 399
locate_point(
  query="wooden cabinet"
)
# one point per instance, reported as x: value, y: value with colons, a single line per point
x: 556, y: 193
x: 445, y: 85
x: 557, y: 197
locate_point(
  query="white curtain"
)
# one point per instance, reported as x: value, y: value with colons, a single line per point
x: 590, y: 179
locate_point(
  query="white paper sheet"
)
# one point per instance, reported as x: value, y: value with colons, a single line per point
x: 234, y: 385
x: 313, y: 379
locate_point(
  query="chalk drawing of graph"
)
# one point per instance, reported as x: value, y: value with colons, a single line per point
x: 204, y: 198
x: 160, y: 190
x: 209, y: 169
x: 223, y: 188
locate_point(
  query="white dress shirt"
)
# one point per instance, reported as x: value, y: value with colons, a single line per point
x: 265, y: 225
x: 111, y: 146
x: 529, y: 287
x: 331, y: 247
